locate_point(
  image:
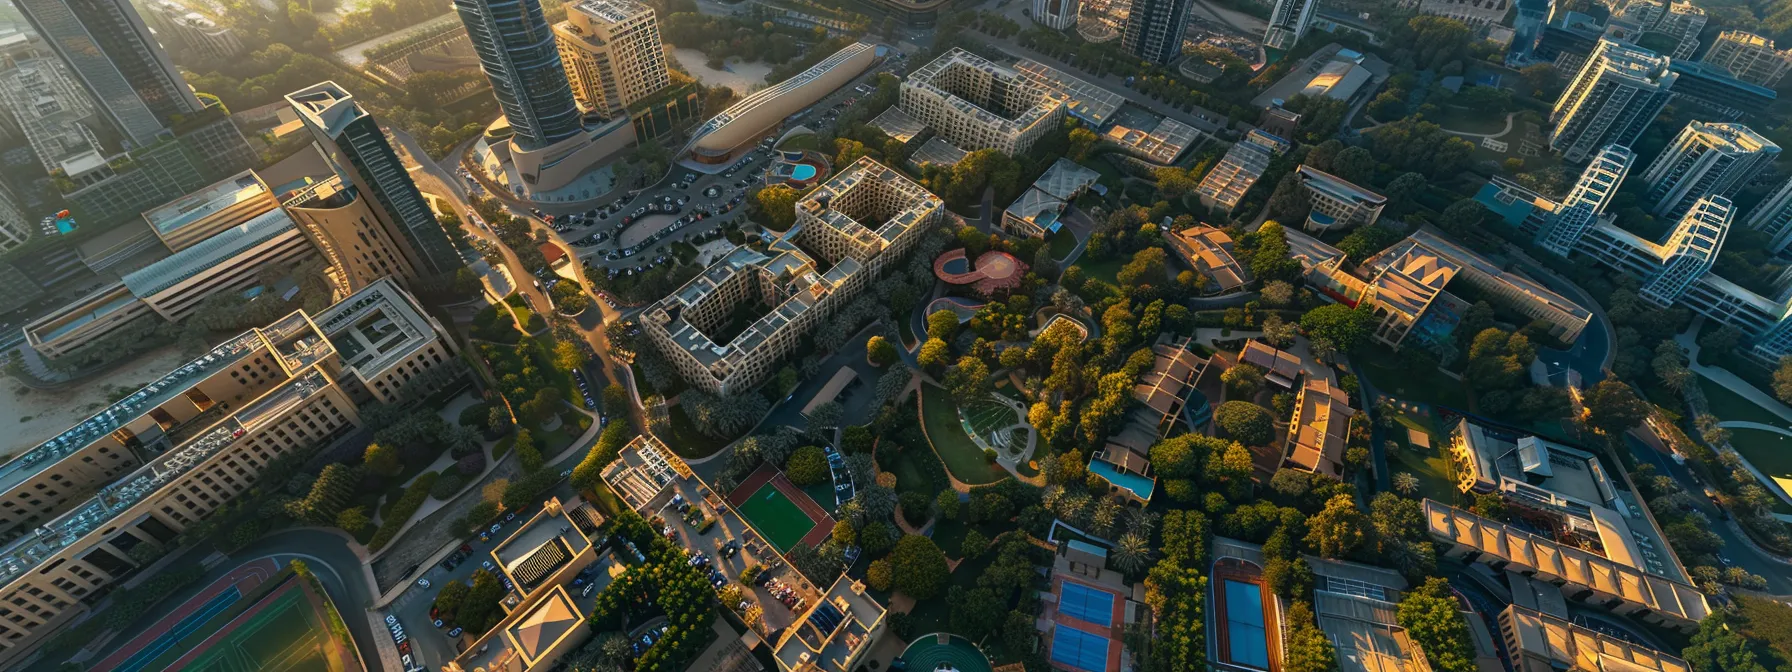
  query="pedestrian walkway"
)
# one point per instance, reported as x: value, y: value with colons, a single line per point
x: 1730, y: 381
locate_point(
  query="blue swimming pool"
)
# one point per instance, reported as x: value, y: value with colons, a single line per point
x: 1244, y: 625
x: 1087, y: 604
x: 1078, y: 649
x: 802, y: 172
x: 956, y: 266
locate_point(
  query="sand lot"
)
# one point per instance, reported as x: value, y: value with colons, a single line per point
x: 28, y: 417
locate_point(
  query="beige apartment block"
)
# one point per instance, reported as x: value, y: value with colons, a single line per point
x: 612, y: 53
x: 346, y: 230
x: 1749, y: 57
x: 863, y: 218
x: 976, y: 104
x: 143, y: 469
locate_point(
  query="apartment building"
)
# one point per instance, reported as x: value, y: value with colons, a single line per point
x: 1748, y: 57
x: 1718, y: 93
x: 53, y: 113
x: 199, y: 33
x: 1705, y: 160
x: 613, y: 55
x: 864, y: 217
x: 1592, y: 192
x: 1225, y: 185
x: 1320, y: 428
x: 975, y: 104
x: 1057, y: 14
x: 1155, y: 29
x: 1337, y: 202
x: 1614, y: 97
x: 174, y: 451
x: 1288, y: 22
x: 1772, y: 216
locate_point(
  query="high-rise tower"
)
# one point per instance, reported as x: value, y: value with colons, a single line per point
x: 358, y: 151
x: 1288, y: 22
x: 117, y: 59
x: 613, y: 54
x: 517, y: 52
x: 1591, y: 193
x: 1705, y: 159
x: 1154, y: 29
x: 1611, y: 101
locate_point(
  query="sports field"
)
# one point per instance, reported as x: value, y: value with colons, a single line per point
x: 776, y: 516
x: 244, y: 624
x: 284, y: 636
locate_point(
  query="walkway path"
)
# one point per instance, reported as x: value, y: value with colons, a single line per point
x: 1502, y: 133
x: 1730, y: 381
x: 1744, y: 424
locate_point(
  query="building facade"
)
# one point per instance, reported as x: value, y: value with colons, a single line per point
x: 1611, y: 100
x: 185, y: 221
x: 1774, y: 218
x: 1748, y: 57
x: 1288, y: 22
x: 1155, y: 30
x: 345, y: 228
x: 358, y: 151
x: 976, y: 104
x: 14, y: 229
x: 1471, y: 12
x: 1057, y: 14
x: 518, y: 53
x: 114, y: 55
x: 864, y: 217
x: 171, y: 453
x: 1338, y: 203
x: 197, y: 32
x: 613, y: 55
x: 1703, y: 160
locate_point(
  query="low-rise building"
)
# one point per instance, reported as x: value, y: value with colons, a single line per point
x: 835, y: 634
x: 1037, y: 213
x: 863, y: 218
x: 1408, y: 278
x: 1226, y: 184
x: 1320, y: 428
x: 1356, y: 606
x: 1540, y: 642
x: 185, y: 221
x: 1338, y: 203
x: 1279, y: 367
x: 1209, y: 251
x: 542, y: 622
x: 1161, y: 145
x: 1748, y: 57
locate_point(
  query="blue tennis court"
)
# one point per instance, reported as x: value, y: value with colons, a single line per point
x: 1088, y: 604
x: 1244, y: 625
x: 186, y: 626
x: 1079, y: 649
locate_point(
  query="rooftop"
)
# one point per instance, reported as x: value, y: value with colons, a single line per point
x: 187, y: 209
x: 1210, y: 250
x: 1243, y: 164
x: 937, y: 152
x: 1569, y: 646
x: 550, y: 539
x: 930, y: 78
x: 1162, y: 144
x: 832, y: 633
x: 209, y: 253
x: 1089, y: 102
x: 1038, y: 208
x: 642, y: 472
x: 614, y: 11
x: 1338, y: 187
x: 1279, y: 366
x: 898, y: 124
x: 1065, y: 179
x: 1496, y: 455
x: 1324, y: 413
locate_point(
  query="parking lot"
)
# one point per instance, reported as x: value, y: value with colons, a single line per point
x: 729, y: 530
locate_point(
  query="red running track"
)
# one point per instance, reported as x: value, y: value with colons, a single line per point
x: 245, y: 577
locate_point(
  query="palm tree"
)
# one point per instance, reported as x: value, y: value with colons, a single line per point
x: 1141, y: 522
x: 1107, y: 512
x: 1405, y: 483
x: 1132, y: 554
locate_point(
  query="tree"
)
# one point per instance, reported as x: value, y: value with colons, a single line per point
x: 1081, y: 141
x: 1290, y: 200
x: 807, y: 466
x: 352, y: 520
x: 1174, y: 183
x: 879, y: 574
x: 778, y: 205
x: 568, y: 355
x: 1277, y: 293
x: 382, y: 460
x: 1782, y: 380
x: 879, y: 351
x: 1243, y: 379
x: 1719, y: 647
x: 1244, y: 421
x: 942, y: 324
x: 947, y: 503
x: 1354, y: 164
x: 968, y: 381
x: 934, y: 354
x: 1309, y: 649
x: 1340, y: 529
x: 973, y: 544
x: 844, y: 535
x: 1431, y: 617
x: 1612, y: 408
x: 1345, y: 328
x: 1132, y: 553
x: 918, y: 568
x: 1405, y: 483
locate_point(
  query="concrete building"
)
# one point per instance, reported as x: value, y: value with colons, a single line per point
x: 14, y: 228
x: 1603, y: 578
x: 1541, y: 642
x: 1610, y: 101
x: 1056, y: 14
x: 171, y: 453
x: 1773, y: 217
x: 1705, y: 160
x: 1209, y: 251
x: 346, y: 229
x: 1160, y: 145
x: 834, y: 634
x: 864, y: 217
x: 977, y: 104
x: 186, y: 221
x: 722, y: 138
x: 1714, y: 90
x: 1155, y: 30
x: 1356, y: 606
x: 1288, y: 22
x: 1475, y: 13
x: 230, y: 261
x: 53, y: 114
x: 1320, y: 429
x: 1592, y: 192
x: 108, y: 189
x: 199, y: 33
x: 543, y: 621
x: 1748, y: 57
x: 114, y: 55
x: 1036, y: 213
x: 358, y: 152
x: 1338, y: 203
x: 1225, y: 185
x: 613, y: 55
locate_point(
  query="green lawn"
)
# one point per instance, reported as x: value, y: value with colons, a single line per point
x: 1106, y: 270
x: 1470, y: 121
x: 1062, y: 243
x: 775, y: 516
x: 809, y: 141
x: 961, y: 455
x: 910, y: 476
x: 1388, y: 374
x: 1769, y: 452
x: 1727, y: 405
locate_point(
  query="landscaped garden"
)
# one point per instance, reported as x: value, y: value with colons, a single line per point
x: 960, y: 454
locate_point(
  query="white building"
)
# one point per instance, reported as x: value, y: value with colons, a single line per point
x: 968, y: 100
x: 1338, y: 203
x: 1288, y: 22
x: 1613, y: 98
x: 1703, y: 160
x: 1772, y: 217
x: 1749, y: 57
x: 1226, y: 184
x: 1056, y: 14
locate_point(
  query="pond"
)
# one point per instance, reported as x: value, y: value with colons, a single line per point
x: 742, y: 76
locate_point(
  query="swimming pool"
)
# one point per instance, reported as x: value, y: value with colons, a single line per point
x: 957, y: 265
x: 802, y: 172
x: 1244, y: 624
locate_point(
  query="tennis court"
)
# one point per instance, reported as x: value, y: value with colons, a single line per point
x: 777, y: 517
x: 186, y: 626
x: 1244, y: 625
x: 1095, y: 607
x: 285, y: 636
x: 1078, y: 649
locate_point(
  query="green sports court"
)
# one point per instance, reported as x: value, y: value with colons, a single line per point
x: 287, y: 635
x: 777, y: 517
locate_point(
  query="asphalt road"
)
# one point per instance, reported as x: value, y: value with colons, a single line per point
x: 1737, y: 549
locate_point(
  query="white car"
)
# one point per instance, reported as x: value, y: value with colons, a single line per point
x: 422, y: 583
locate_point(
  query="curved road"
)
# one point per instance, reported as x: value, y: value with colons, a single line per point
x: 336, y: 566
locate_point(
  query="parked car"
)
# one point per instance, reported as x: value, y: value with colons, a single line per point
x: 422, y: 583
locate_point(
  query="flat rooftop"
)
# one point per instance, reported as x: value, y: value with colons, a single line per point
x: 1569, y: 646
x: 1087, y: 101
x: 375, y: 327
x: 198, y: 205
x: 832, y: 632
x: 209, y: 253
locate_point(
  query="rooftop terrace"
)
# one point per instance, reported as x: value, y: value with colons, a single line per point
x: 198, y: 205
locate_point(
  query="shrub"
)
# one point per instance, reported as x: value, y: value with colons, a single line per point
x: 1246, y: 422
x: 471, y: 465
x: 408, y: 504
x: 918, y: 568
x: 807, y: 466
x: 474, y: 417
x: 878, y: 574
x: 447, y: 483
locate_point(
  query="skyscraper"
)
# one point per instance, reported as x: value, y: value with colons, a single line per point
x: 1591, y: 193
x: 613, y: 54
x: 1689, y: 252
x: 1056, y: 14
x: 1619, y: 90
x: 1774, y: 218
x: 517, y: 52
x: 1155, y: 28
x: 358, y: 151
x: 1705, y: 159
x: 1748, y: 57
x: 1288, y: 23
x: 116, y: 58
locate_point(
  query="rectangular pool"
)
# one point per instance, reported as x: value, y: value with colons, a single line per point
x: 1244, y: 625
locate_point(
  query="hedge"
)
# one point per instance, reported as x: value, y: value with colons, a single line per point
x: 408, y: 504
